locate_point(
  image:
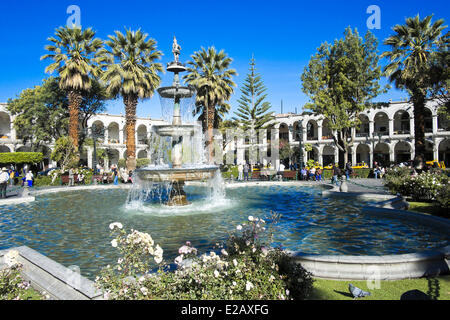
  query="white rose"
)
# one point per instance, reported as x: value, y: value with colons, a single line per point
x: 114, y: 243
x: 248, y: 286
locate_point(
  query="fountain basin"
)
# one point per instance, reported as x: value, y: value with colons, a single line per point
x: 193, y: 173
x: 176, y: 92
x: 175, y: 130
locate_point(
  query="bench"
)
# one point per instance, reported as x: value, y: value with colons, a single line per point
x: 256, y: 175
x: 65, y: 179
x: 268, y: 174
x: 289, y: 175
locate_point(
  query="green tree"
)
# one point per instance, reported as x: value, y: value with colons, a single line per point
x: 65, y: 153
x: 75, y: 59
x: 413, y: 49
x: 132, y: 73
x: 41, y: 113
x: 253, y: 111
x: 209, y: 72
x: 341, y: 79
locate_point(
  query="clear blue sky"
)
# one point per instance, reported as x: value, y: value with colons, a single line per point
x: 281, y: 34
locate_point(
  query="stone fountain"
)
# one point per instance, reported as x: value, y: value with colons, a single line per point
x: 177, y: 173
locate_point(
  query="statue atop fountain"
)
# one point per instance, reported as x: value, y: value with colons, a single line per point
x: 177, y: 173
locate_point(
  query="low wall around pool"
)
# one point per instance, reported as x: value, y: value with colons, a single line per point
x: 386, y: 267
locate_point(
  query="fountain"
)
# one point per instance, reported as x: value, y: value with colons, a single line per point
x: 174, y: 175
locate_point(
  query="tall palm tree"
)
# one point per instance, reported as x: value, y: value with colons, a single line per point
x: 131, y: 72
x: 209, y: 72
x: 75, y: 58
x: 413, y: 47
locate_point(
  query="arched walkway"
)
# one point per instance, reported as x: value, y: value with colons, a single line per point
x: 5, y: 125
x: 363, y: 153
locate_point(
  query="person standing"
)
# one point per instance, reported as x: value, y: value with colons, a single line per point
x: 336, y: 173
x: 319, y: 174
x: 116, y: 176
x: 348, y: 170
x: 29, y: 178
x: 240, y: 172
x: 376, y: 170
x: 312, y: 173
x: 71, y: 177
x: 246, y: 169
x: 4, y: 178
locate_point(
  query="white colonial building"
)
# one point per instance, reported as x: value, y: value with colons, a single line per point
x: 386, y: 135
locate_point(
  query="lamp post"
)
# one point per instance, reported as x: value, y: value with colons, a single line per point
x: 299, y: 134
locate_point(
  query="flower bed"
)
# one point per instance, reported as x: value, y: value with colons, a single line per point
x: 245, y: 268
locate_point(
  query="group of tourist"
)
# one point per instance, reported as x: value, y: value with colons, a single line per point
x: 113, y: 175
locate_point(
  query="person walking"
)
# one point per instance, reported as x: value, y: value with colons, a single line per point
x: 240, y: 172
x: 4, y: 178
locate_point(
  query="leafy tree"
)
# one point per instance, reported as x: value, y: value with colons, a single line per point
x: 75, y: 59
x: 341, y: 79
x: 414, y: 48
x: 209, y: 72
x: 65, y: 152
x: 41, y: 113
x: 132, y: 73
x: 253, y: 111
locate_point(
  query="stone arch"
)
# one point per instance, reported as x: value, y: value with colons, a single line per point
x: 402, y: 152
x: 142, y: 134
x: 363, y: 153
x: 381, y: 123
x: 113, y: 133
x: 328, y: 155
x: 428, y: 119
x: 142, y: 154
x: 381, y: 153
x: 402, y: 123
x: 312, y: 130
x: 283, y: 131
x: 363, y: 129
x: 4, y: 149
x: 113, y: 156
x: 98, y: 128
x: 327, y: 133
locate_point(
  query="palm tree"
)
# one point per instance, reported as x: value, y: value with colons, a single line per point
x: 131, y: 72
x: 75, y: 58
x: 209, y: 72
x: 413, y: 48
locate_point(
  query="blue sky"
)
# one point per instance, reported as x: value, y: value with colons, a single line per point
x: 281, y: 34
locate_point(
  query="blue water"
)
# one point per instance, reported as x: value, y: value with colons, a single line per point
x: 72, y: 227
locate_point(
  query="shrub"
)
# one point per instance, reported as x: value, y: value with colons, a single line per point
x: 426, y: 186
x: 12, y: 285
x: 21, y: 157
x: 245, y: 269
x: 443, y: 196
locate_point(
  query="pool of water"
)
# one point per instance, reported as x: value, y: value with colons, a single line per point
x: 72, y: 227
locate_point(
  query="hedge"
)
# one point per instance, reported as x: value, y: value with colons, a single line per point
x: 21, y: 157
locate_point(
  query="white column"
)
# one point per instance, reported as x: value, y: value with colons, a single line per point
x: 435, y: 146
x: 354, y: 156
x: 391, y: 154
x: 391, y: 127
x: 89, y: 157
x: 435, y: 124
x: 121, y: 135
x: 319, y: 130
x: 371, y: 128
x: 106, y: 136
x: 320, y: 158
x: 411, y: 127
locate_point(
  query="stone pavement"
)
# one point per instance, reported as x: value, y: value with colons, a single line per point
x: 367, y: 185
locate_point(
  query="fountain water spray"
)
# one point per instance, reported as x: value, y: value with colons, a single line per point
x: 185, y: 160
